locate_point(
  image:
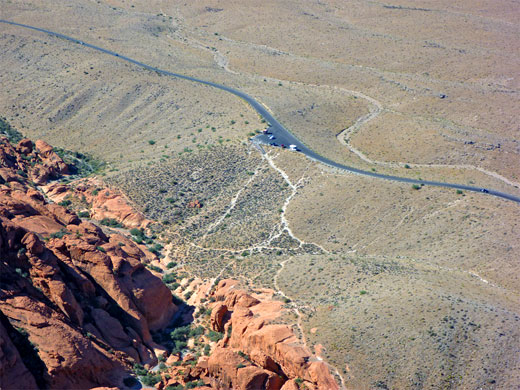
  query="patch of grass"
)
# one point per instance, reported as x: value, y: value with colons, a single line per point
x: 14, y: 135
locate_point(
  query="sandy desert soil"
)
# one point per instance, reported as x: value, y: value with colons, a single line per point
x: 404, y: 288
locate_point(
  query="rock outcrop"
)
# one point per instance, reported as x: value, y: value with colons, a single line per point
x: 100, y: 201
x: 271, y: 347
x: 256, y: 350
x: 13, y: 371
x: 77, y: 304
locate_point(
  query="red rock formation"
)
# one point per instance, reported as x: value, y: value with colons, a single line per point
x: 49, y: 157
x: 79, y: 302
x: 13, y: 372
x: 217, y: 317
x: 101, y: 201
x: 272, y: 347
x: 228, y: 370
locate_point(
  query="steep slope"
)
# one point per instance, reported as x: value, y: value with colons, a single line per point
x: 76, y: 303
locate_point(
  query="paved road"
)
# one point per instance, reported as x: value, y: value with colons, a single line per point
x: 282, y: 135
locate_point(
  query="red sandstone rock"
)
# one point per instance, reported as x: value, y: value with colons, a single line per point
x: 273, y: 347
x: 73, y: 294
x: 50, y: 158
x: 13, y: 372
x: 25, y: 146
x: 104, y: 202
x: 217, y: 316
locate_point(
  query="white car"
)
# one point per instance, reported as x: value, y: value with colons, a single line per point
x: 293, y: 148
x: 271, y: 137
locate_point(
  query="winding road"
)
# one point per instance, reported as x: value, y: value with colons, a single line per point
x: 281, y: 134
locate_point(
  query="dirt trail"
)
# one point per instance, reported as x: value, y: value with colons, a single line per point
x: 344, y: 137
x: 296, y: 310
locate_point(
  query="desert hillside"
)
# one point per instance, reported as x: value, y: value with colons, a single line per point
x: 166, y: 246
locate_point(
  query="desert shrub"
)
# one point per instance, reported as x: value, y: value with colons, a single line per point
x: 150, y: 379
x: 111, y: 222
x: 84, y: 214
x: 59, y: 234
x: 177, y: 387
x: 169, y: 278
x: 14, y: 135
x: 215, y: 336
x: 155, y: 268
x: 139, y: 369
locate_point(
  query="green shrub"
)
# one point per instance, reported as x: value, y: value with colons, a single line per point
x: 155, y: 268
x: 151, y: 379
x: 84, y: 214
x: 59, y: 234
x: 139, y: 369
x: 169, y: 278
x: 14, y: 135
x: 215, y: 336
x: 111, y: 222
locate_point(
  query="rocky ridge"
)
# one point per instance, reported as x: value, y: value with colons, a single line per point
x: 256, y: 351
x: 77, y: 303
x: 78, y: 306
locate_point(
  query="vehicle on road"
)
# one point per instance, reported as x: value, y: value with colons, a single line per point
x: 271, y: 121
x: 271, y: 137
x: 274, y: 144
x: 293, y: 147
x: 283, y: 146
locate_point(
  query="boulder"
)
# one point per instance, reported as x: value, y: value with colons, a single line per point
x: 217, y: 317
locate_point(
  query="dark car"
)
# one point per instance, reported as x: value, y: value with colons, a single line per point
x: 484, y: 191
